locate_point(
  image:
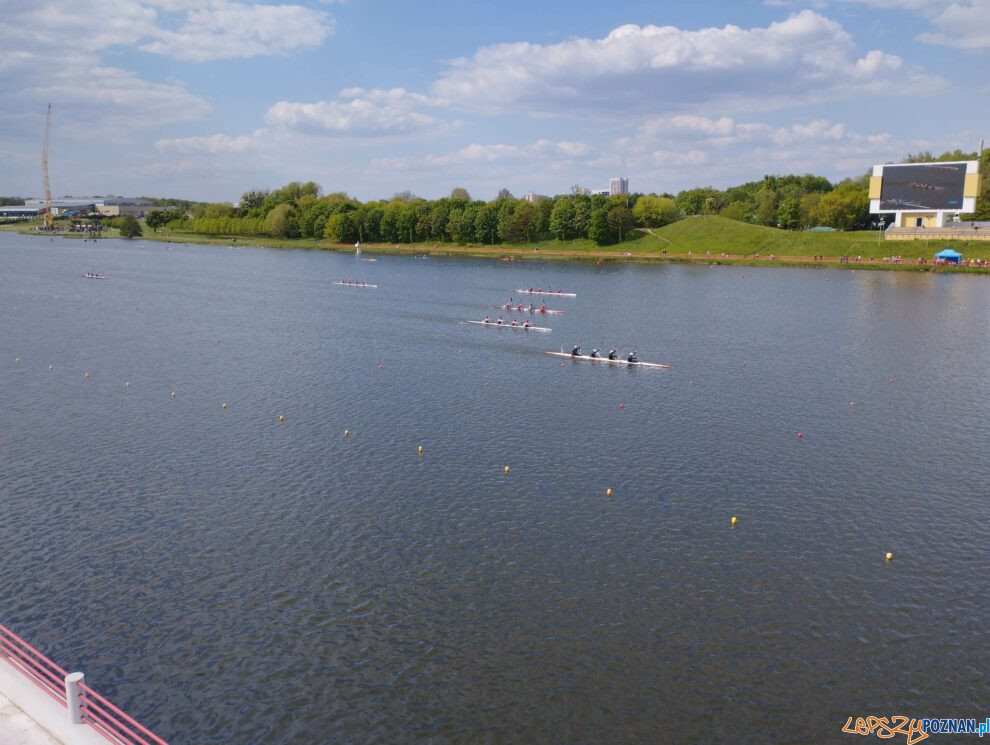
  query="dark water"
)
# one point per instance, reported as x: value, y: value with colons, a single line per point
x: 230, y: 579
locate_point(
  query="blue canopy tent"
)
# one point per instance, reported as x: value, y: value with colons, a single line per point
x: 948, y: 255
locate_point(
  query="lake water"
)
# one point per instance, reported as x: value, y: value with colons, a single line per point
x: 227, y: 578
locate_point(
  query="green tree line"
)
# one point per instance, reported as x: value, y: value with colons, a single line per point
x: 301, y: 210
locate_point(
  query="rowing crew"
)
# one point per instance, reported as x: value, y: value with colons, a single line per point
x: 612, y: 355
x: 499, y: 322
x: 521, y: 308
x: 548, y: 291
x: 355, y: 282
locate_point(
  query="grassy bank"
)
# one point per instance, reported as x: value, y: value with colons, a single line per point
x: 692, y: 240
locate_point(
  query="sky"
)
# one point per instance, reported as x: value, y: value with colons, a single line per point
x: 206, y: 100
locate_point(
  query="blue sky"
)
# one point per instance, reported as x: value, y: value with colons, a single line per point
x: 207, y: 99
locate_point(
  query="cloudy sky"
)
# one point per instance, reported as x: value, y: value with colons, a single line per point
x: 205, y: 99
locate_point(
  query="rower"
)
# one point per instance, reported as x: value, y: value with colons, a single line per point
x: 519, y: 307
x: 514, y: 322
x: 531, y: 307
x: 576, y: 352
x: 613, y: 355
x: 632, y: 357
x: 543, y: 308
x: 527, y: 325
x: 487, y: 320
x: 499, y: 321
x: 594, y: 353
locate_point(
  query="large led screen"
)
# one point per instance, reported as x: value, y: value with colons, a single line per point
x: 927, y: 186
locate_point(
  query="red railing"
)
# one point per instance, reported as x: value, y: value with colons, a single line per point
x: 109, y: 721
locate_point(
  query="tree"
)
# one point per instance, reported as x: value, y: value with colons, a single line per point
x: 282, y: 222
x: 157, y: 219
x: 620, y: 219
x: 582, y: 217
x: 459, y: 192
x: 598, y: 227
x: 340, y: 228
x: 130, y: 228
x: 766, y: 207
x: 740, y: 211
x: 562, y: 219
x: 845, y: 208
x: 789, y: 213
x: 503, y: 194
x: 652, y: 211
x: 703, y: 201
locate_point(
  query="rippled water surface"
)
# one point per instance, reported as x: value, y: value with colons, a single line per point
x: 227, y: 578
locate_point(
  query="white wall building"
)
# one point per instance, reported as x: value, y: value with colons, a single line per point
x: 618, y: 186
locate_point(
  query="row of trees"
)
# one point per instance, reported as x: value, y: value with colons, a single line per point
x: 301, y: 210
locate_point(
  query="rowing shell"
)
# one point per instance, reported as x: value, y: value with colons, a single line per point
x: 356, y: 284
x: 510, y: 326
x: 555, y: 293
x: 518, y: 309
x: 589, y: 358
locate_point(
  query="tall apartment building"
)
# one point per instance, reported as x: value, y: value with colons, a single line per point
x: 618, y: 186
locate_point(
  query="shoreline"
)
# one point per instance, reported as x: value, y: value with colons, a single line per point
x: 529, y: 253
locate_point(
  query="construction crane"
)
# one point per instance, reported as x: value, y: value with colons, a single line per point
x: 49, y: 219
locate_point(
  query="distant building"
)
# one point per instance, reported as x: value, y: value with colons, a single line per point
x: 618, y: 186
x: 601, y: 192
x: 531, y: 197
x: 62, y: 206
x: 115, y: 206
x: 16, y: 212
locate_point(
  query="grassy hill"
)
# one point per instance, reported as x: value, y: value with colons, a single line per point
x: 719, y: 234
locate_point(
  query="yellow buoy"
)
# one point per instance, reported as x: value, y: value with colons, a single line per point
x: 734, y: 519
x: 608, y: 492
x: 281, y: 417
x: 889, y: 556
x: 506, y: 469
x: 223, y: 406
x: 173, y: 394
x: 347, y: 433
x: 420, y: 449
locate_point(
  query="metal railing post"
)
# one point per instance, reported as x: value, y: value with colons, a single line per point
x: 72, y: 698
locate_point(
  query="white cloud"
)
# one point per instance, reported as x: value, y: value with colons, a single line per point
x: 806, y: 57
x: 474, y: 154
x: 228, y: 30
x: 963, y: 23
x: 51, y: 52
x: 359, y: 112
x: 217, y: 144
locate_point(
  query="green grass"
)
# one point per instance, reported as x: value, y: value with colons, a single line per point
x: 688, y: 240
x: 719, y: 234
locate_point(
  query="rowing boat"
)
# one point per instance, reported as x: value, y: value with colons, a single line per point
x: 524, y: 309
x: 555, y: 293
x: 356, y: 284
x: 95, y: 275
x: 627, y: 363
x: 510, y: 326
